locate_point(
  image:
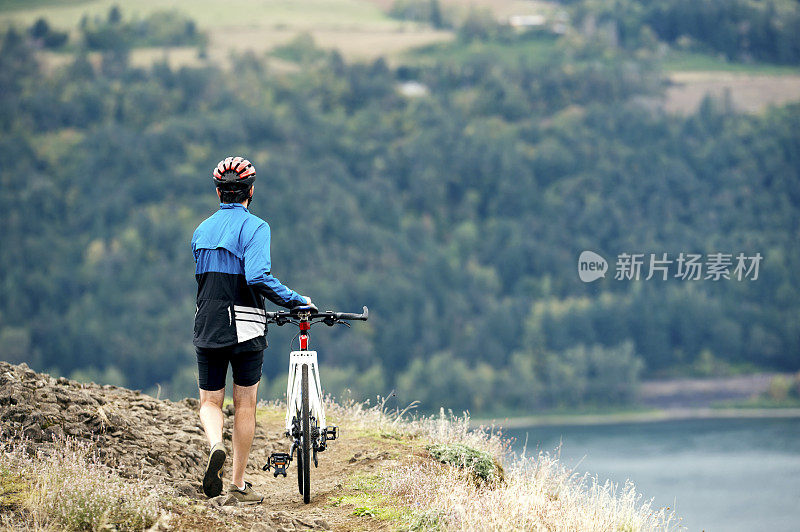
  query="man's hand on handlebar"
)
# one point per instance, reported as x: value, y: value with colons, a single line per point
x: 309, y: 305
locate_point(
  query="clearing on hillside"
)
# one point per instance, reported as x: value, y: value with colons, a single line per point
x: 748, y: 92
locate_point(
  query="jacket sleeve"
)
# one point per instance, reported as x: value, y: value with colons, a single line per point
x: 257, y: 266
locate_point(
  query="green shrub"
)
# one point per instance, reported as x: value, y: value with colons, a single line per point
x: 779, y: 388
x: 301, y: 49
x: 480, y: 463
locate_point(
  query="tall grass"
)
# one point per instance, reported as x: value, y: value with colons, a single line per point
x: 537, y: 494
x: 66, y: 487
x: 534, y: 493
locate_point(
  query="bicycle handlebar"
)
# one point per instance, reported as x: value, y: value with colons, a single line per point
x: 296, y: 312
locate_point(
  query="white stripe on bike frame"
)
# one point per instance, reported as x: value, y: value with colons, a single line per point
x: 247, y: 330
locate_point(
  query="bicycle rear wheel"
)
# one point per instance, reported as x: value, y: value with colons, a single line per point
x: 306, y: 450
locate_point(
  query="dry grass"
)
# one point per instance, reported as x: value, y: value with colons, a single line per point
x: 66, y: 487
x: 536, y: 493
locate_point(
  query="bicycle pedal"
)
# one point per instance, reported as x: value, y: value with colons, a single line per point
x: 279, y: 462
x: 331, y: 433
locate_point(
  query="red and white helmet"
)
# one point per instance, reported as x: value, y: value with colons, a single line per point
x: 234, y: 172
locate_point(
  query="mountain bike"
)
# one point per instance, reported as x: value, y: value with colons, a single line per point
x: 306, y: 426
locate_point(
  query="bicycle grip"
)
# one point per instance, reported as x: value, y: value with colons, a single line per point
x: 352, y: 316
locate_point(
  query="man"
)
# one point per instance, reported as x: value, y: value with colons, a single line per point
x: 231, y: 249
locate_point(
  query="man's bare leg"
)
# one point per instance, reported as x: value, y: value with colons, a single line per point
x: 211, y: 418
x: 211, y: 414
x: 244, y: 427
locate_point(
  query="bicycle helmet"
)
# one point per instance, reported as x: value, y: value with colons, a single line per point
x: 234, y: 173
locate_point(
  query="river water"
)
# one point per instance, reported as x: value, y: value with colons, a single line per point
x: 718, y: 475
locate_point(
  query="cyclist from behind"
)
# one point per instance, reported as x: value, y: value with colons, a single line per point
x: 233, y: 272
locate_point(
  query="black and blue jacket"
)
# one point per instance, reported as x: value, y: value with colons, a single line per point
x: 231, y: 249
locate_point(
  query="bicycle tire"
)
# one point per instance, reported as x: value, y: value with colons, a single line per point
x: 300, y: 470
x: 306, y: 438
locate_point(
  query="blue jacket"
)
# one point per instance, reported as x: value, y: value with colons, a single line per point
x: 231, y: 249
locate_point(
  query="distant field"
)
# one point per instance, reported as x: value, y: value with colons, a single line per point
x: 362, y: 43
x: 299, y: 14
x: 751, y: 86
x: 501, y: 9
x: 697, y: 62
x: 358, y: 28
x: 534, y: 50
x: 748, y: 92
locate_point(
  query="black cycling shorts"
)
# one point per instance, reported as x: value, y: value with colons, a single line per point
x: 212, y: 365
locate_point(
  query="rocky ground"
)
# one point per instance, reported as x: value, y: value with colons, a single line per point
x: 162, y: 441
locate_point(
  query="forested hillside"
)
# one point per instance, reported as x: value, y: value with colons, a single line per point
x: 748, y: 30
x: 457, y: 216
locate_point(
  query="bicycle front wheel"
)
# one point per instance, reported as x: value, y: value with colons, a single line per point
x: 306, y: 450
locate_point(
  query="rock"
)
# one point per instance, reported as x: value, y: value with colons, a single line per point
x: 231, y: 501
x: 217, y: 501
x: 191, y: 402
x: 74, y: 429
x: 223, y: 500
x: 162, y: 523
x: 15, y: 414
x: 53, y: 433
x: 321, y: 523
x: 33, y: 432
x: 230, y: 410
x: 303, y: 524
x: 62, y: 396
x: 131, y: 431
x: 186, y: 489
x: 262, y: 527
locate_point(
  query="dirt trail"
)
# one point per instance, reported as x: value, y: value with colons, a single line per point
x: 344, y: 457
x: 140, y: 436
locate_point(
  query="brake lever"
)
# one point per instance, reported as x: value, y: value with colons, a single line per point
x: 343, y: 323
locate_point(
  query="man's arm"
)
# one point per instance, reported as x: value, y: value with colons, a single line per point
x: 257, y: 266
